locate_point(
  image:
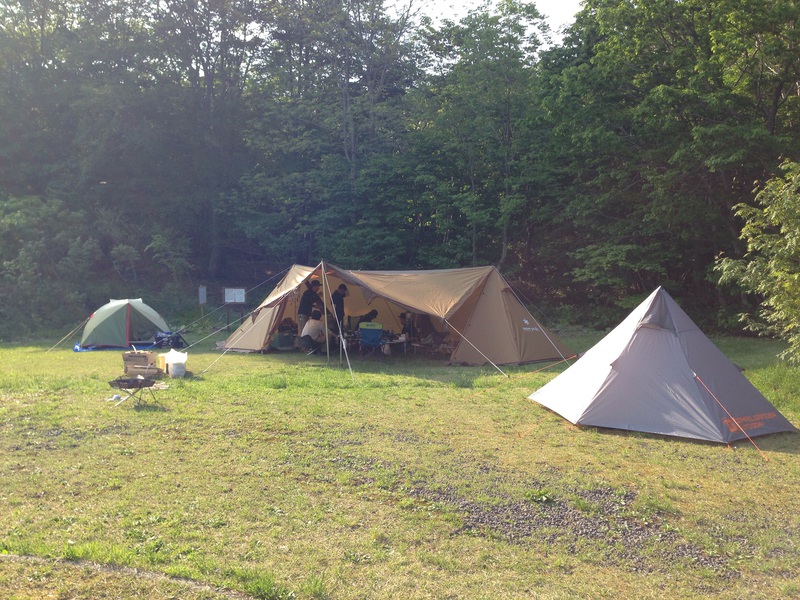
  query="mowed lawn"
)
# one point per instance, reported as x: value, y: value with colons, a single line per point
x: 285, y: 476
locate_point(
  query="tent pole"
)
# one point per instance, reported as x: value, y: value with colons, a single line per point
x: 476, y: 348
x: 324, y: 279
x: 328, y: 295
x: 128, y: 325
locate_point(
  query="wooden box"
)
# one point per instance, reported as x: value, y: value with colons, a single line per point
x: 143, y: 359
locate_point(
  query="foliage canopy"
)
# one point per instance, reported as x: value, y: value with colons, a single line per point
x: 771, y: 266
x: 146, y: 147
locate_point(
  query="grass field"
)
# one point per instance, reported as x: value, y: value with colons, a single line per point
x: 283, y: 476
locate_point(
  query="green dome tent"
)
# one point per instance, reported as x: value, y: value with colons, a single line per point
x: 122, y: 324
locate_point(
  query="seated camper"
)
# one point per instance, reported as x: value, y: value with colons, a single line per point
x: 407, y: 327
x: 367, y: 318
x: 314, y: 334
x: 434, y: 343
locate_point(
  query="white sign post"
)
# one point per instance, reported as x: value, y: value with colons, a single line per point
x: 236, y: 297
x: 203, y: 298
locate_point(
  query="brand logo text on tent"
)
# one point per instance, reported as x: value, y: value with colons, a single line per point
x: 527, y: 326
x: 749, y: 422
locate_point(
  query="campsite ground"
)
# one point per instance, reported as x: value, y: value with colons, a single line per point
x: 281, y: 476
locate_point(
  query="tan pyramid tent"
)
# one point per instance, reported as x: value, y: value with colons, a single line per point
x: 475, y: 308
x: 656, y: 372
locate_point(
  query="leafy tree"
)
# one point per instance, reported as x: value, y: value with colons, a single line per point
x: 209, y: 49
x: 36, y: 89
x: 172, y: 253
x: 327, y: 96
x: 659, y: 107
x: 476, y: 103
x: 47, y: 265
x: 771, y: 267
x: 146, y: 143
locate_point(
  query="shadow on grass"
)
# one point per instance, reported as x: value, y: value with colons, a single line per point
x: 150, y: 408
x: 784, y: 442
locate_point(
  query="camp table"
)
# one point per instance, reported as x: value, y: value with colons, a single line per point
x: 134, y: 387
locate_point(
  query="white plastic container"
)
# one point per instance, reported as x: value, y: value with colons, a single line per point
x: 176, y: 363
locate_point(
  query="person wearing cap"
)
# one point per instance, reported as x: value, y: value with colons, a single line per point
x: 337, y: 298
x: 308, y: 302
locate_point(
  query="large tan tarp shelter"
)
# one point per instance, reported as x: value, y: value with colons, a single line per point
x: 656, y: 372
x: 475, y: 307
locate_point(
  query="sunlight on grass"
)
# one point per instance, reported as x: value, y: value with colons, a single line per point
x: 281, y: 476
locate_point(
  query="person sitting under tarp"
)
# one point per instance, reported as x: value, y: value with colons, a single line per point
x: 407, y: 326
x: 312, y: 337
x: 367, y: 318
x: 283, y: 339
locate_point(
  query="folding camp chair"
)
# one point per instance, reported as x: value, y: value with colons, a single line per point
x: 371, y: 339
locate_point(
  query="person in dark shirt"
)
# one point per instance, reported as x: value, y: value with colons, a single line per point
x: 338, y: 303
x: 368, y: 318
x: 308, y: 302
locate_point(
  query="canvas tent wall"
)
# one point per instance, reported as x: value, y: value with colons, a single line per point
x: 122, y: 324
x: 484, y: 320
x: 657, y: 372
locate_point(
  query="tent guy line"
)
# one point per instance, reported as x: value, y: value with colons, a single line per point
x: 523, y: 376
x: 225, y: 304
x: 478, y: 350
x: 69, y: 335
x: 727, y: 412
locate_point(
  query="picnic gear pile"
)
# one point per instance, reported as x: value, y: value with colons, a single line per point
x: 142, y: 369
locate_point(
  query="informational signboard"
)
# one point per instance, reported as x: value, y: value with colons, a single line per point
x: 234, y: 295
x: 203, y: 295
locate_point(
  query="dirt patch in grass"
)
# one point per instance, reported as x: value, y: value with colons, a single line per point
x: 597, y: 521
x: 643, y: 546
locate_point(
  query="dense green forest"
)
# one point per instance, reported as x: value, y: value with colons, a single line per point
x: 149, y: 146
